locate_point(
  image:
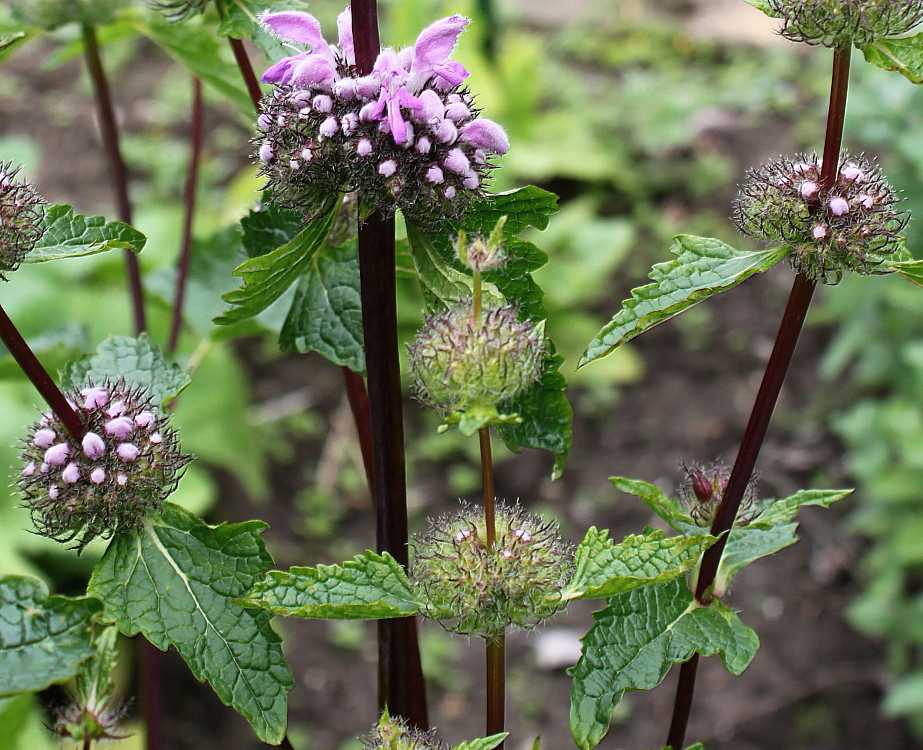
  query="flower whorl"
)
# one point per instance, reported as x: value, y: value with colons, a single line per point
x: 837, y: 23
x: 21, y: 211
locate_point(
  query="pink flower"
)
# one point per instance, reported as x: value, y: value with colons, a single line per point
x: 71, y: 474
x: 93, y: 445
x: 120, y: 427
x: 94, y: 397
x: 44, y: 438
x: 486, y: 134
x: 56, y: 455
x: 432, y: 49
x: 128, y: 452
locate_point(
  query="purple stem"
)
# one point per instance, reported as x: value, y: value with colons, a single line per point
x: 109, y: 130
x: 40, y: 378
x: 787, y: 338
x: 189, y: 195
x: 246, y: 71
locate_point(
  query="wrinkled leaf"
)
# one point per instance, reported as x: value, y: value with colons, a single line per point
x: 267, y: 277
x: 635, y: 640
x: 137, y: 360
x: 529, y: 206
x: 604, y: 569
x: 368, y: 587
x: 326, y: 313
x: 70, y: 235
x: 703, y: 266
x: 485, y: 743
x: 785, y: 510
x: 43, y: 639
x: 268, y: 228
x: 904, y: 56
x: 174, y: 581
x: 654, y: 498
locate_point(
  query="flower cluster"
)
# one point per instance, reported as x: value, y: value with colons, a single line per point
x: 407, y: 135
x: 394, y: 734
x: 836, y: 23
x: 122, y: 470
x: 21, y: 211
x: 462, y: 361
x: 852, y: 225
x: 476, y: 589
x: 703, y: 490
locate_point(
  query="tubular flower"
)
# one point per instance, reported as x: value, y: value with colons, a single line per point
x: 406, y: 136
x: 122, y: 470
x: 473, y: 589
x: 851, y: 226
x: 838, y: 23
x: 21, y: 211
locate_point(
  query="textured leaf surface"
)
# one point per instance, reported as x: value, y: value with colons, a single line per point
x: 703, y: 266
x: 326, y: 313
x: 43, y: 639
x: 604, y: 569
x: 368, y: 587
x: 904, y: 56
x: 268, y: 228
x: 634, y: 641
x: 267, y: 277
x: 485, y: 743
x: 137, y: 360
x: 654, y: 498
x: 764, y: 6
x: 174, y: 581
x: 785, y: 510
x: 70, y: 235
x: 912, y: 270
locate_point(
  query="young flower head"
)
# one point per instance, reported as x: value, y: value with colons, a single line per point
x: 482, y: 253
x: 395, y: 734
x: 474, y: 589
x: 407, y: 136
x: 851, y: 226
x: 703, y: 490
x: 20, y: 219
x: 462, y: 361
x: 122, y: 470
x: 839, y: 23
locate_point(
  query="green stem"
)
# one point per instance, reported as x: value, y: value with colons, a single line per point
x: 477, y: 297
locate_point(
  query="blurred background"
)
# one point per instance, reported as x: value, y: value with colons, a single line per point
x: 643, y: 116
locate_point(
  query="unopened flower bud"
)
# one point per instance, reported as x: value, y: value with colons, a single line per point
x: 474, y: 588
x: 843, y: 23
x: 21, y: 212
x: 703, y: 490
x: 394, y: 734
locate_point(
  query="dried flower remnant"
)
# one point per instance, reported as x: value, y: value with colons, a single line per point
x: 21, y: 212
x: 703, y: 490
x: 394, y: 734
x: 462, y: 361
x: 407, y: 136
x: 475, y: 590
x: 842, y: 23
x: 122, y: 470
x: 852, y: 226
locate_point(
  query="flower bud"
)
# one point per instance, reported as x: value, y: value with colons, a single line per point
x: 703, y: 489
x: 103, y: 484
x: 837, y: 23
x: 395, y: 734
x: 851, y: 225
x: 21, y: 214
x: 474, y: 589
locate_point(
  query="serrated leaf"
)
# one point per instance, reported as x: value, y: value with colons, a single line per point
x: 654, y: 498
x: 912, y: 270
x: 604, y: 569
x: 137, y: 360
x: 635, y: 640
x: 43, y: 639
x: 371, y: 586
x: 904, y: 56
x: 785, y: 510
x: 174, y: 581
x: 70, y: 235
x: 267, y: 277
x: 485, y: 743
x: 703, y: 267
x: 326, y: 313
x: 528, y: 206
x: 267, y: 228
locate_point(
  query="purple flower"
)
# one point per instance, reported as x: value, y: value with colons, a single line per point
x: 432, y: 49
x: 120, y: 427
x: 316, y: 67
x: 93, y: 445
x: 44, y: 438
x: 486, y: 134
x: 128, y: 452
x: 56, y: 455
x: 394, y: 94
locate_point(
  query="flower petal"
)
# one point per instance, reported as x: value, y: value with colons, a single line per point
x: 279, y: 71
x: 345, y: 28
x: 486, y: 134
x: 294, y: 25
x: 436, y: 42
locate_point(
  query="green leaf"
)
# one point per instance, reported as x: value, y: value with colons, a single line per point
x: 205, y: 55
x: 785, y: 510
x: 654, y: 498
x: 485, y: 743
x: 267, y: 277
x: 528, y: 206
x: 22, y: 724
x: 326, y: 313
x: 634, y: 641
x: 912, y: 270
x: 138, y: 361
x: 268, y: 228
x: 604, y: 569
x: 70, y: 235
x: 904, y: 56
x: 43, y: 639
x: 174, y: 581
x: 368, y: 587
x: 764, y: 6
x: 95, y: 682
x: 703, y: 267
x: 239, y: 21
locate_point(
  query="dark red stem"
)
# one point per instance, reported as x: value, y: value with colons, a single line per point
x: 496, y: 686
x: 189, y: 196
x: 400, y: 676
x: 150, y: 686
x: 246, y: 70
x: 109, y: 130
x: 40, y: 378
x: 359, y: 404
x: 776, y: 369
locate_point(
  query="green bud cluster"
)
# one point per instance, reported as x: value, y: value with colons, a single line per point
x: 851, y: 226
x: 842, y: 23
x: 461, y: 361
x: 475, y: 589
x: 395, y: 734
x: 21, y: 211
x: 703, y: 489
